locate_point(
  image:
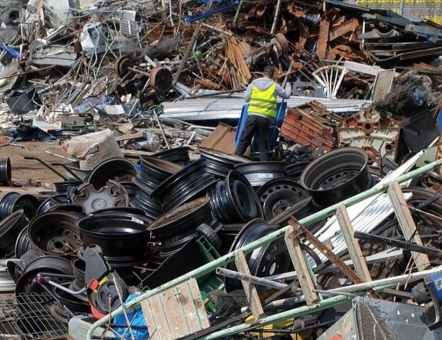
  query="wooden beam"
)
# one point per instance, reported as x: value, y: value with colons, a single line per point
x: 352, y: 244
x: 407, y: 224
x: 249, y: 288
x: 301, y: 267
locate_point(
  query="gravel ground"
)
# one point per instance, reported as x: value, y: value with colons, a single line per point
x: 28, y: 172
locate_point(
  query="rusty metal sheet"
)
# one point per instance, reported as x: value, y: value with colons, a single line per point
x: 346, y: 27
x: 295, y: 10
x: 347, y: 53
x: 221, y: 139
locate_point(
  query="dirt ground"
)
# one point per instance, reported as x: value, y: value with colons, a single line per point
x: 29, y: 172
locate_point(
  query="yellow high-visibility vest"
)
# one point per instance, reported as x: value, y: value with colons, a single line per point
x: 263, y: 102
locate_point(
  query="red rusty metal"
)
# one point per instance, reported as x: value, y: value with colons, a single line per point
x: 302, y: 128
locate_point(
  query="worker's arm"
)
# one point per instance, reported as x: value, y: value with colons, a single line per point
x: 284, y: 93
x: 248, y: 93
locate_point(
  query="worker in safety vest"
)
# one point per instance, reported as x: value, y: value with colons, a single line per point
x: 261, y: 94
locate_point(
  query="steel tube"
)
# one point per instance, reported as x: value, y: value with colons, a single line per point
x: 250, y: 278
x: 223, y: 260
x: 324, y: 304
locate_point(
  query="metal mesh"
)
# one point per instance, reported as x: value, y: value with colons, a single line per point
x: 29, y: 317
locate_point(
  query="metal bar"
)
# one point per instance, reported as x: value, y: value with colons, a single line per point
x: 406, y: 223
x: 352, y: 243
x: 346, y: 27
x: 190, y: 20
x: 250, y: 278
x: 249, y: 287
x: 346, y: 270
x: 398, y: 243
x: 377, y: 286
x: 321, y: 50
x: 386, y: 255
x: 68, y: 170
x: 237, y: 12
x: 275, y: 18
x: 223, y: 260
x: 190, y: 45
x: 298, y: 260
x: 50, y: 167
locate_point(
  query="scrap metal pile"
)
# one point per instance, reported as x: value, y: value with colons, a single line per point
x: 69, y: 62
x: 187, y: 240
x: 125, y: 228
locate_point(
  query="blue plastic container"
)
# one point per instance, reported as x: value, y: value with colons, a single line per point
x: 274, y: 129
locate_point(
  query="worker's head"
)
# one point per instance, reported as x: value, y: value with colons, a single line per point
x: 268, y: 72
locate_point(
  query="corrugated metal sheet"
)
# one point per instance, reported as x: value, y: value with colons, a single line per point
x: 364, y: 216
x: 219, y: 107
x: 427, y: 9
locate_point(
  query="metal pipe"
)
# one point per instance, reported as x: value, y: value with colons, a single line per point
x: 328, y: 292
x: 391, y: 281
x: 161, y: 128
x: 223, y: 260
x: 293, y: 313
x: 324, y: 304
x: 50, y: 167
x: 250, y: 278
x: 190, y: 46
x: 275, y: 18
x: 68, y: 170
x: 237, y: 13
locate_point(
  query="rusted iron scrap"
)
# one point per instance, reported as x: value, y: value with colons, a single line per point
x: 141, y: 54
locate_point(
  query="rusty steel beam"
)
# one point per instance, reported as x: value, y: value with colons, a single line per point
x: 346, y: 27
x: 336, y: 260
x: 324, y: 29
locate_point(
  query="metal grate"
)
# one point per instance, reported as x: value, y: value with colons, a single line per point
x: 29, y: 317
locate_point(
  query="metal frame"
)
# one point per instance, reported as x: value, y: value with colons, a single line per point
x: 320, y: 305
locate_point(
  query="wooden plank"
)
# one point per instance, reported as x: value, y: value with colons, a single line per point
x: 346, y: 27
x: 129, y: 136
x: 406, y: 223
x: 324, y: 28
x: 249, y: 288
x: 176, y: 312
x: 301, y: 268
x: 383, y: 84
x: 352, y: 244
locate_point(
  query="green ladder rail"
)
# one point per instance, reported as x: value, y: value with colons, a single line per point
x: 225, y: 259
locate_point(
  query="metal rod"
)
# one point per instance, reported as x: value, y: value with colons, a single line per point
x: 327, y: 292
x: 324, y: 304
x: 67, y: 290
x: 190, y: 46
x: 250, y: 278
x: 335, y: 259
x: 275, y: 18
x: 68, y: 170
x: 398, y: 243
x: 223, y: 260
x: 50, y: 167
x: 161, y: 129
x: 237, y: 12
